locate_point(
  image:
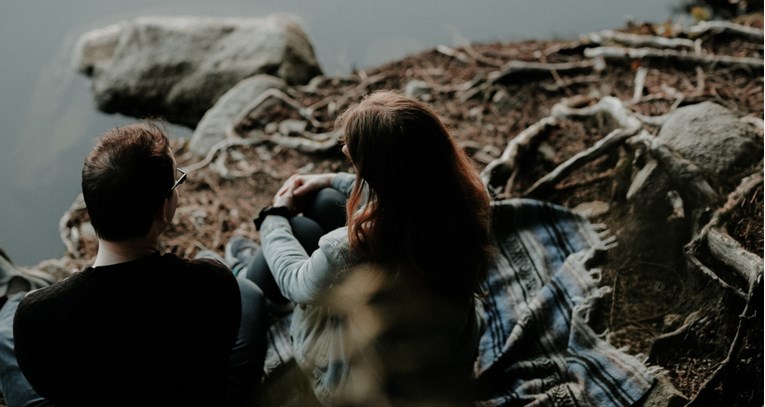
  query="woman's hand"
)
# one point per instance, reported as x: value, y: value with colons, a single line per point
x: 305, y: 184
x: 285, y: 197
x: 299, y: 185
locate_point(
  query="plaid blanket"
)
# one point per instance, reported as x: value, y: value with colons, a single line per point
x: 537, y: 348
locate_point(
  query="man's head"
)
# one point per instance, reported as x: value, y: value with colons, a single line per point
x: 127, y: 179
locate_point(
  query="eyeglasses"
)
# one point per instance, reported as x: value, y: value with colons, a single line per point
x: 180, y: 179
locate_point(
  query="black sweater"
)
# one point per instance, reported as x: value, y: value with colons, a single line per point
x: 152, y: 332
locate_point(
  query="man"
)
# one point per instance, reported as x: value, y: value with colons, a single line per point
x: 138, y: 328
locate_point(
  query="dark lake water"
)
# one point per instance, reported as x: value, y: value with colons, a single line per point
x: 48, y: 120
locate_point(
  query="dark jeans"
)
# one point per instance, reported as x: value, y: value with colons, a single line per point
x: 323, y: 213
x: 245, y: 365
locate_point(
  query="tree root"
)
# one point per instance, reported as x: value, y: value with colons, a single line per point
x: 275, y: 94
x: 309, y: 143
x: 499, y: 174
x: 220, y: 148
x: 719, y: 27
x: 626, y: 54
x: 634, y: 40
x: 745, y: 320
x: 514, y: 69
x: 683, y: 172
x: 715, y: 242
x: 503, y: 170
x: 670, y: 339
x: 600, y: 148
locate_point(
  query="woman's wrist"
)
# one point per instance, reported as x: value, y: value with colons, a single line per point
x: 271, y: 210
x: 331, y: 179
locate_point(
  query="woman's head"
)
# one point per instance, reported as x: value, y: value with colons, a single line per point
x: 388, y: 136
x: 126, y: 179
x: 425, y: 195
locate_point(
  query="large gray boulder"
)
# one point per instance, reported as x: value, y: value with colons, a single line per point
x: 712, y: 137
x: 177, y: 67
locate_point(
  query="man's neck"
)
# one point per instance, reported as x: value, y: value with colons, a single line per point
x: 110, y: 253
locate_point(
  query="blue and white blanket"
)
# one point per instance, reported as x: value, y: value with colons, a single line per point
x: 537, y: 349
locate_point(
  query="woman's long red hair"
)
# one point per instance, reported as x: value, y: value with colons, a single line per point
x: 427, y: 212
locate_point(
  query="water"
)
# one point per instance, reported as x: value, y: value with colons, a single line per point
x: 49, y: 122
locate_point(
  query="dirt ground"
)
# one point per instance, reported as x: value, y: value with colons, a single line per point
x: 671, y: 315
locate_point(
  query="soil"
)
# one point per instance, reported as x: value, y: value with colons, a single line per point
x: 649, y: 300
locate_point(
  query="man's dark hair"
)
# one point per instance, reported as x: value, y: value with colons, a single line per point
x: 126, y: 178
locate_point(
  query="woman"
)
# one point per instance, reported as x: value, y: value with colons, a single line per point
x: 385, y: 306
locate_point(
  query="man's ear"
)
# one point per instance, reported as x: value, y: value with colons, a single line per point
x: 166, y: 213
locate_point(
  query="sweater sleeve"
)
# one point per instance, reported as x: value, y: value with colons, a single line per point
x: 344, y: 182
x: 303, y: 278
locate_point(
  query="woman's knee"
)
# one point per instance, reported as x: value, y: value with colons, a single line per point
x: 327, y: 208
x: 307, y: 232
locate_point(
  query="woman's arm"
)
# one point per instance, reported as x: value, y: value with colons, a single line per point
x: 301, y: 278
x: 343, y: 182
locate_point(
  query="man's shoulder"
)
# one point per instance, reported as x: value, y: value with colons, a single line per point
x: 200, y: 270
x: 202, y: 265
x: 168, y: 268
x: 57, y: 292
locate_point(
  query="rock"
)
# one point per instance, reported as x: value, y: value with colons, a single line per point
x: 96, y: 47
x: 177, y: 67
x: 662, y: 394
x: 212, y: 128
x: 713, y: 137
x: 592, y: 209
